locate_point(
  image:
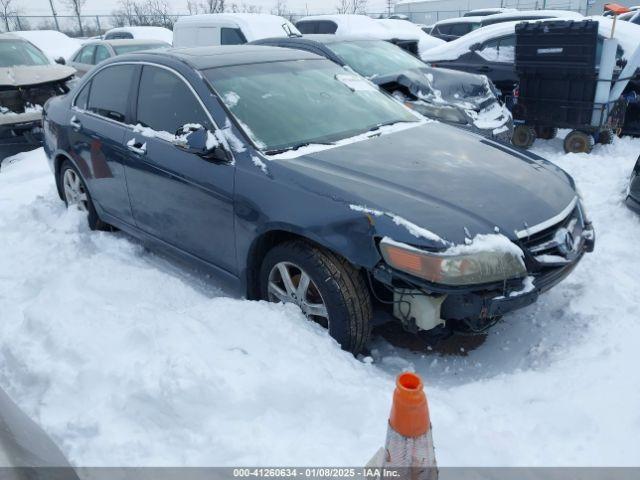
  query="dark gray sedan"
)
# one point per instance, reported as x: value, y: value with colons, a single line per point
x: 95, y: 52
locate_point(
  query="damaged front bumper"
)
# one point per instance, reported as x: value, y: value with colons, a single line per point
x: 421, y: 305
x: 19, y: 133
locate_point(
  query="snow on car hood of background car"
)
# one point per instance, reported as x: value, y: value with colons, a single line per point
x: 443, y: 180
x: 19, y: 76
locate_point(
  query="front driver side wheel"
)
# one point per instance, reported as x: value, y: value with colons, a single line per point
x: 76, y: 195
x: 328, y: 289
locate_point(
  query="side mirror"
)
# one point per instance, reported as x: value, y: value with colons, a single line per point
x: 475, y: 47
x: 200, y: 141
x: 61, y: 61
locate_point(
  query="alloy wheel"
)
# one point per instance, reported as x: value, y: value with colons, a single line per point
x: 288, y: 283
x: 74, y: 192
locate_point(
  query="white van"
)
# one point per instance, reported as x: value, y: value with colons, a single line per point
x: 229, y: 29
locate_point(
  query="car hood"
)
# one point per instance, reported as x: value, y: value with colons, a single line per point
x: 33, y: 75
x: 440, y: 178
x: 444, y: 86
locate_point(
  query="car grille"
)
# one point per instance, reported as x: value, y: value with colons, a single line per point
x: 559, y: 244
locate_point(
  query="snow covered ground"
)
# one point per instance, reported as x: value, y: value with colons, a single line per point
x: 126, y: 358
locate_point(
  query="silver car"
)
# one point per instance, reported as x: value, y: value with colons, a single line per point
x: 95, y: 52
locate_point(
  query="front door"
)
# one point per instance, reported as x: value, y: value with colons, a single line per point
x: 176, y: 196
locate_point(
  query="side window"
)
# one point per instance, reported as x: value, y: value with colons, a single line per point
x: 444, y: 29
x: 232, y: 36
x: 102, y: 53
x: 500, y: 50
x: 460, y: 29
x: 83, y: 97
x: 166, y: 103
x: 109, y: 91
x: 327, y: 27
x: 86, y: 55
x: 307, y: 28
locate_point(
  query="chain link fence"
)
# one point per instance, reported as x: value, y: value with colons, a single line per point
x: 95, y: 25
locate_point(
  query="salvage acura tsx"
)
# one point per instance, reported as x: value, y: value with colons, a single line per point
x: 295, y: 180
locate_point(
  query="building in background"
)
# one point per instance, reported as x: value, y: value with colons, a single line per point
x: 431, y: 11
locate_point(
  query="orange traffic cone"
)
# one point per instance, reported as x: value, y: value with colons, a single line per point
x: 409, y: 441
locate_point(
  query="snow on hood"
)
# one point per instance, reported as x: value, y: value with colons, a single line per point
x: 34, y: 75
x: 53, y: 44
x: 626, y: 33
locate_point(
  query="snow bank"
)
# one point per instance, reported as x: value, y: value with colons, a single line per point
x: 127, y: 359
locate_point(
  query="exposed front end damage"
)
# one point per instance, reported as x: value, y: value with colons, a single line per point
x: 23, y: 93
x: 458, y: 98
x: 548, y: 254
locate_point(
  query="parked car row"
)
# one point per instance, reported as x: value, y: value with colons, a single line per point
x: 293, y: 179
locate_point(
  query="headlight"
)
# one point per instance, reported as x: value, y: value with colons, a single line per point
x: 445, y: 113
x: 457, y: 269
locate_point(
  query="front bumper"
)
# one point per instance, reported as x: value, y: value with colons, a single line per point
x: 474, y: 308
x: 20, y: 137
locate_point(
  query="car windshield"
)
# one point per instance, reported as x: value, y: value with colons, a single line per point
x: 374, y: 57
x: 122, y: 49
x: 286, y: 105
x: 19, y: 52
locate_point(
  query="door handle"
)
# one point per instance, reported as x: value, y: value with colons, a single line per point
x: 75, y: 123
x: 137, y: 147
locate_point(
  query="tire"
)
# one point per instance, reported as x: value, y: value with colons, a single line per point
x: 84, y: 203
x: 546, y: 133
x: 606, y: 137
x: 333, y: 282
x: 523, y: 136
x: 578, y: 142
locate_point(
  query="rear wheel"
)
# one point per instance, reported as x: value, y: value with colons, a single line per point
x: 578, y: 142
x: 523, y: 136
x: 76, y: 195
x: 327, y: 288
x: 546, y: 133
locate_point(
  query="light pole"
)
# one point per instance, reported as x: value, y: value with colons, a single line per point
x: 55, y: 15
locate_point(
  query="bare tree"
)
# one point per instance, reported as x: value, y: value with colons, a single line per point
x: 6, y: 11
x: 192, y: 7
x: 280, y: 8
x: 245, y: 8
x: 143, y: 13
x: 212, y: 6
x: 352, y: 6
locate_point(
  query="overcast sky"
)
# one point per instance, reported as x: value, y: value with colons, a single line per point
x: 41, y: 7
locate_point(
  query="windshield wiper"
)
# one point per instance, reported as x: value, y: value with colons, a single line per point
x: 294, y: 147
x: 388, y: 124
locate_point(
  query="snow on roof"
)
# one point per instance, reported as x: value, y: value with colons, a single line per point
x: 254, y: 26
x: 54, y: 44
x: 405, y: 30
x: 146, y: 33
x: 533, y: 13
x: 461, y: 20
x: 359, y: 25
x: 626, y: 33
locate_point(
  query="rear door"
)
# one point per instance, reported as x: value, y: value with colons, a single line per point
x: 96, y: 134
x: 176, y: 196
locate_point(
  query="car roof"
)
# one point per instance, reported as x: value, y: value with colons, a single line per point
x: 460, y: 20
x: 203, y: 58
